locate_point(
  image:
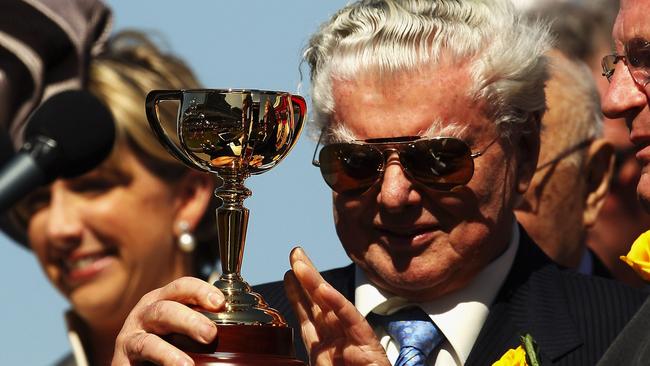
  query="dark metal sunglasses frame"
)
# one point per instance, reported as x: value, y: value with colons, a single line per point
x: 449, y: 164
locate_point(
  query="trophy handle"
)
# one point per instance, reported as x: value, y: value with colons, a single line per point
x: 299, y: 112
x: 151, y: 107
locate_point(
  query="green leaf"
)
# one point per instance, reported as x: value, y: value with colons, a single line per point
x: 531, y: 349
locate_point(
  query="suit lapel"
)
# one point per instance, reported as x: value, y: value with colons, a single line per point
x: 531, y: 301
x: 342, y: 279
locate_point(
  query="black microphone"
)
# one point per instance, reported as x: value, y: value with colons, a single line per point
x: 68, y: 135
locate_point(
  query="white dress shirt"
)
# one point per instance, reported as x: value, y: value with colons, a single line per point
x: 459, y: 315
x: 74, y: 325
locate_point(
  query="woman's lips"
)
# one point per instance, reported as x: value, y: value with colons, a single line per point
x: 80, y: 269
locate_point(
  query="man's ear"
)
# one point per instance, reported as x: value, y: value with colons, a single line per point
x: 527, y: 145
x: 194, y: 192
x: 598, y: 170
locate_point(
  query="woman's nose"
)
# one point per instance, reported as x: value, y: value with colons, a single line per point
x: 64, y: 225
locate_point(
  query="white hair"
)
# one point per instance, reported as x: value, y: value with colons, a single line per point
x: 505, y: 52
x: 341, y: 133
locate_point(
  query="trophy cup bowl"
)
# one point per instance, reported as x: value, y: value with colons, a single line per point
x: 233, y: 134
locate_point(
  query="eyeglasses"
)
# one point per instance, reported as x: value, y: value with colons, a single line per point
x: 636, y: 59
x: 440, y: 163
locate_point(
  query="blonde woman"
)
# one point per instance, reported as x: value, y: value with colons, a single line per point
x: 133, y: 224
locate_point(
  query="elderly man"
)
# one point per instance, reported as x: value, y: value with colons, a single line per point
x: 574, y: 169
x: 628, y: 97
x: 430, y: 115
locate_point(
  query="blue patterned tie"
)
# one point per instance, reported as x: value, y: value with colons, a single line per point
x: 413, y: 330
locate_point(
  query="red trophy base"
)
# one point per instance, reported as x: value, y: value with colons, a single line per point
x: 243, y: 345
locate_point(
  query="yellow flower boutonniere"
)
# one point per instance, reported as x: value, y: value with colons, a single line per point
x: 639, y: 256
x: 524, y: 355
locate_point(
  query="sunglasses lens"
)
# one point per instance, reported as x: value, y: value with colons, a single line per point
x: 350, y: 168
x: 442, y: 163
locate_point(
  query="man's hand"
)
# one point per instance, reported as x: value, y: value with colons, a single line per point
x: 164, y: 311
x: 333, y: 331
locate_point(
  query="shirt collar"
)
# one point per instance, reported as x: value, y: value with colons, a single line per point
x: 75, y: 328
x: 459, y: 315
x: 586, y: 265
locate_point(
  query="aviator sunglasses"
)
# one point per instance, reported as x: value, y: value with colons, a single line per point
x: 440, y: 163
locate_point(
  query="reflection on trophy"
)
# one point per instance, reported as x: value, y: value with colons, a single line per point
x: 234, y: 133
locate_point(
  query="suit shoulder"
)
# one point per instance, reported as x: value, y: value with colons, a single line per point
x: 274, y: 292
x: 600, y: 308
x: 602, y: 292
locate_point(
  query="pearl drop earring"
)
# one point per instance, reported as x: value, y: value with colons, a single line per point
x: 186, y: 241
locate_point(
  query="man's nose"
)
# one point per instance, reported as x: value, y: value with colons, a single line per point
x: 624, y: 95
x: 397, y: 190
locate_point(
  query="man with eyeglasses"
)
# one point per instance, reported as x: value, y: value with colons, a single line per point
x: 430, y: 113
x: 628, y: 97
x: 582, y: 30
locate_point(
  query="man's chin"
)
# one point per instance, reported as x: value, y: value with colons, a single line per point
x: 415, y: 287
x: 643, y: 191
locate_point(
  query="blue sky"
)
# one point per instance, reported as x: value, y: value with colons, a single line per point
x: 230, y: 44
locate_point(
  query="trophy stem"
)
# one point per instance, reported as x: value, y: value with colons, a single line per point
x: 242, y: 305
x: 232, y: 220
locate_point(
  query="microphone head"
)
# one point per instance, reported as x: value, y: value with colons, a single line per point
x: 82, y: 127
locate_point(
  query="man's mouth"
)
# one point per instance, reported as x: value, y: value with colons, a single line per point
x: 413, y: 236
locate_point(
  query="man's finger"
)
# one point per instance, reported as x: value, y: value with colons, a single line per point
x: 349, y: 318
x: 296, y: 297
x: 165, y: 317
x: 304, y: 309
x: 149, y: 347
x: 310, y: 280
x: 305, y: 272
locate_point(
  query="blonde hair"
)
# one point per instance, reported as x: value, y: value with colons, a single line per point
x: 122, y: 76
x: 130, y: 67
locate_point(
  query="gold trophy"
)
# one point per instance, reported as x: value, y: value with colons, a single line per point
x: 234, y: 133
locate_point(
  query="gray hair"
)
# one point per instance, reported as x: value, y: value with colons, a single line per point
x: 574, y: 113
x: 506, y: 52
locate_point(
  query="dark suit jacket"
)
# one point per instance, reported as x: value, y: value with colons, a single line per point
x: 632, y: 346
x: 599, y: 268
x: 572, y: 317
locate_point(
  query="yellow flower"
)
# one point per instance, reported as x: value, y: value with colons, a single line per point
x: 639, y: 256
x: 514, y: 357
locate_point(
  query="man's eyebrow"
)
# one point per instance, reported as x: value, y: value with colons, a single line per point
x: 451, y: 129
x: 337, y: 132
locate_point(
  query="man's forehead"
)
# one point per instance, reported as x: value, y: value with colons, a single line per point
x: 633, y: 21
x: 423, y: 103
